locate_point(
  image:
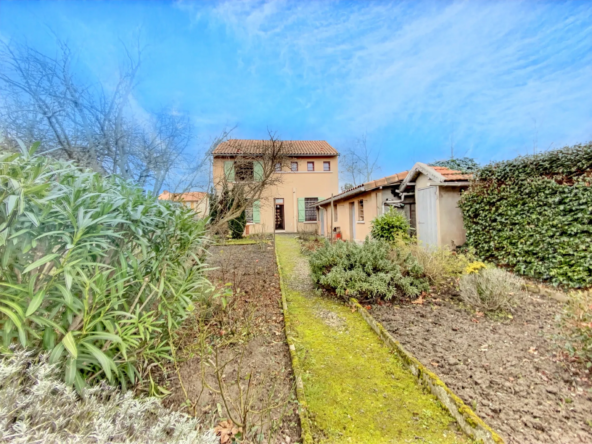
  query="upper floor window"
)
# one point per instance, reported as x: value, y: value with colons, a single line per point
x: 310, y: 214
x: 243, y: 171
x: 310, y: 167
x: 326, y: 166
x: 278, y: 167
x: 361, y: 210
x: 294, y: 166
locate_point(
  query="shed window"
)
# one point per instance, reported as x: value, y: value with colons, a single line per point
x: 294, y: 166
x: 326, y: 166
x: 310, y: 209
x: 361, y: 210
x: 310, y: 166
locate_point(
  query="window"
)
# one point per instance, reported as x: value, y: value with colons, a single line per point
x: 243, y: 171
x: 310, y: 166
x: 310, y: 214
x: 249, y: 214
x: 360, y: 210
x: 294, y: 166
x: 278, y: 167
x: 326, y: 166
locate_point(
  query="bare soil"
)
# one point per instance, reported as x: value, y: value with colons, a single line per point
x: 512, y: 371
x: 244, y: 339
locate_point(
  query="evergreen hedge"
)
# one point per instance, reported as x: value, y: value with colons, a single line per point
x: 533, y: 214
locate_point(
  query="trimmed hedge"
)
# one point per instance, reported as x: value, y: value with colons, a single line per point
x: 533, y: 214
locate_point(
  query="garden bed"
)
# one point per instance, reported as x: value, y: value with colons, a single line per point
x: 251, y: 326
x: 511, y: 371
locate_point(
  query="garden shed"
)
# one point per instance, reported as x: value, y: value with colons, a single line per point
x: 437, y: 191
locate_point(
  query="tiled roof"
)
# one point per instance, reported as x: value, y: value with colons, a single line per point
x: 369, y: 186
x: 233, y: 147
x: 451, y: 175
x: 192, y: 196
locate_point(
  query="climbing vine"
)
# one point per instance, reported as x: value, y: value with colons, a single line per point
x: 533, y: 214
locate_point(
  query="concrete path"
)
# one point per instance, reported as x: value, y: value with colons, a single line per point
x: 356, y: 389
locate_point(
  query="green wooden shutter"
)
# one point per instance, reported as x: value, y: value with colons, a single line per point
x: 229, y: 170
x: 301, y: 209
x: 258, y: 171
x: 257, y: 212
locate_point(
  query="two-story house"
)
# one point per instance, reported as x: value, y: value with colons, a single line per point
x: 309, y: 175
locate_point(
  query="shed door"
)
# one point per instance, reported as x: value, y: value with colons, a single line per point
x: 427, y: 216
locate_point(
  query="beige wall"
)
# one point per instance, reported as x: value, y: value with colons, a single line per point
x: 294, y: 185
x: 372, y: 208
x: 452, y: 230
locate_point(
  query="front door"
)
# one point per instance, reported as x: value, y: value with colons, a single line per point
x: 279, y: 214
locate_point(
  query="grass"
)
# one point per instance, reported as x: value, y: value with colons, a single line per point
x: 356, y: 389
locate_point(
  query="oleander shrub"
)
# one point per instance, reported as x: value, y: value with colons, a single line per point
x: 491, y: 289
x: 391, y: 225
x: 37, y: 406
x: 366, y: 271
x: 533, y: 214
x: 94, y: 271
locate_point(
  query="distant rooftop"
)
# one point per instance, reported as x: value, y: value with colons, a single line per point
x: 235, y: 147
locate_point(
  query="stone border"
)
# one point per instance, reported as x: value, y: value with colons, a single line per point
x: 306, y: 434
x: 468, y: 420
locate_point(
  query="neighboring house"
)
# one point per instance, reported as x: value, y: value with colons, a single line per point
x: 310, y: 175
x: 197, y: 200
x: 428, y: 196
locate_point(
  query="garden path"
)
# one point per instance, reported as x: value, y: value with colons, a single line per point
x: 356, y: 389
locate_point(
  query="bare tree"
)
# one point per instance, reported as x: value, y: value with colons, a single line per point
x: 43, y: 99
x: 252, y: 173
x: 359, y: 163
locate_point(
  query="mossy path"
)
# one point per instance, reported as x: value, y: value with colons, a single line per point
x: 357, y: 391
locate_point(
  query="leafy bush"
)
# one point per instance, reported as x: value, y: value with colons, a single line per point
x: 577, y: 319
x: 94, y: 271
x: 463, y: 164
x: 366, y: 271
x: 390, y: 225
x: 533, y: 214
x: 491, y: 289
x: 36, y: 406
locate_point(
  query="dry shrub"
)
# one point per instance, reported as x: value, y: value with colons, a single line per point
x: 36, y: 406
x: 577, y: 319
x: 491, y: 289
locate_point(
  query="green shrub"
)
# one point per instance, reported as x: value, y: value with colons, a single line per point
x: 366, y: 271
x: 93, y: 270
x: 491, y: 289
x: 533, y: 214
x: 237, y: 226
x: 390, y: 225
x: 37, y: 407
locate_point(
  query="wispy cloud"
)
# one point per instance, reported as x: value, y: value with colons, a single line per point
x: 509, y: 71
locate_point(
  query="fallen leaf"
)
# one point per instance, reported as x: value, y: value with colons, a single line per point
x: 418, y: 301
x: 226, y: 430
x: 479, y: 314
x: 435, y: 364
x: 368, y: 307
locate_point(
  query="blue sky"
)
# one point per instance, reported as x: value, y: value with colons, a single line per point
x: 494, y: 78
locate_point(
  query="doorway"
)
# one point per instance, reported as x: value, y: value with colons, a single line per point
x: 352, y: 221
x: 279, y: 214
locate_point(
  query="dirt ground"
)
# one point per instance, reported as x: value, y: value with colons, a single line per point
x: 245, y: 338
x: 512, y: 371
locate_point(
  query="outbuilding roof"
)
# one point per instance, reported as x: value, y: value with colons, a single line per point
x: 440, y: 175
x: 235, y: 147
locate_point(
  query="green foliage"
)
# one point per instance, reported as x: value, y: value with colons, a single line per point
x: 94, y: 271
x: 366, y: 271
x: 534, y: 215
x: 237, y: 226
x: 463, y: 164
x: 391, y: 225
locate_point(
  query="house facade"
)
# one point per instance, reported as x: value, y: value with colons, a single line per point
x: 196, y: 200
x: 309, y: 175
x: 428, y: 197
